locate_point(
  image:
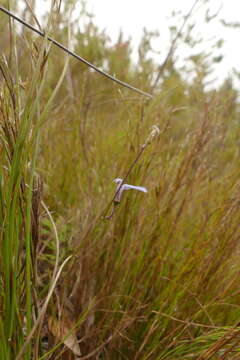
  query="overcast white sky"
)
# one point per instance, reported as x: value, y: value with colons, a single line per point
x: 132, y: 15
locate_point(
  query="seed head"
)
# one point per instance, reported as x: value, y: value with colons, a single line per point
x: 153, y: 134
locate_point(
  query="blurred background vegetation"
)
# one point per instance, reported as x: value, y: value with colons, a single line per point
x: 160, y: 279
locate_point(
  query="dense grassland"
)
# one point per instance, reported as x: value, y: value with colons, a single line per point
x: 160, y: 278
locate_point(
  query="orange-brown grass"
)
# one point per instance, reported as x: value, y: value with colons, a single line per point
x: 159, y: 280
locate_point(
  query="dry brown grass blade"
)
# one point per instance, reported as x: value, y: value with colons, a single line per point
x: 224, y: 340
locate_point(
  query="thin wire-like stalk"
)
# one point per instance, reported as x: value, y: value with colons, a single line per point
x: 78, y: 57
x: 103, y: 214
x: 143, y: 147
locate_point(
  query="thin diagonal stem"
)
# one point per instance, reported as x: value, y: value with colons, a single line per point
x: 143, y: 147
x: 103, y: 214
x: 78, y: 57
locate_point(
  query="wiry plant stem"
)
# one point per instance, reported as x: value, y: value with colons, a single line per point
x: 78, y: 57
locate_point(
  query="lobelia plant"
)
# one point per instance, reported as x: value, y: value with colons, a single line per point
x: 122, y: 187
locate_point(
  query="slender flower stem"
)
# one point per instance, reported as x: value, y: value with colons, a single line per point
x: 103, y: 214
x: 143, y: 147
x: 64, y: 48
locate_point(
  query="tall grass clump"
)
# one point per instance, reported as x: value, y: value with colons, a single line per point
x: 21, y: 196
x: 155, y: 278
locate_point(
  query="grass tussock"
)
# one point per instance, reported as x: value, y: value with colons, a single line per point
x: 160, y: 278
